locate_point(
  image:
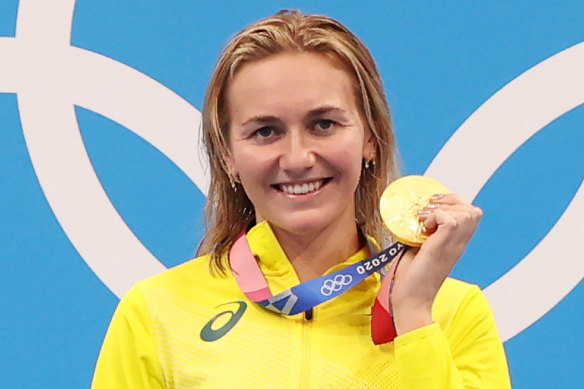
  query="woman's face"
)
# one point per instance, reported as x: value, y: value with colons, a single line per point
x: 297, y: 140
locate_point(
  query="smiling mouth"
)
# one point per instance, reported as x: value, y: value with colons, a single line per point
x: 304, y: 188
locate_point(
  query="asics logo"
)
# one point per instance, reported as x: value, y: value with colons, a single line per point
x: 210, y: 334
x: 334, y: 285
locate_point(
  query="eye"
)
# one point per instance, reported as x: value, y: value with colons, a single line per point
x: 264, y: 132
x: 324, y: 125
x: 265, y: 135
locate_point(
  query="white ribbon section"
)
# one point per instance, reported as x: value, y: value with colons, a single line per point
x: 483, y: 143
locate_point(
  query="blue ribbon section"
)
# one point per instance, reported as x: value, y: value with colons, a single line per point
x: 307, y: 295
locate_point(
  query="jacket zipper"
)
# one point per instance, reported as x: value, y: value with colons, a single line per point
x: 305, y: 349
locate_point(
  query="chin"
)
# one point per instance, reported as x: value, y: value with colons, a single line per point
x: 302, y: 223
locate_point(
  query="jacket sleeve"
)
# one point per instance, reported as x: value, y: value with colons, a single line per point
x: 463, y: 351
x: 128, y: 356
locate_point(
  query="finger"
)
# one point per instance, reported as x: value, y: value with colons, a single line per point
x: 449, y: 217
x: 438, y: 217
x: 447, y: 198
x: 475, y: 211
x: 428, y: 219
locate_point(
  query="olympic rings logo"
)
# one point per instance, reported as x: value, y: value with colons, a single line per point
x: 334, y: 285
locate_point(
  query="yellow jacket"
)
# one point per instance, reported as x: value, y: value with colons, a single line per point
x: 186, y: 328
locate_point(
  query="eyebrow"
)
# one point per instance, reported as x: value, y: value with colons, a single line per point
x: 261, y: 120
x: 325, y: 109
x: 265, y: 119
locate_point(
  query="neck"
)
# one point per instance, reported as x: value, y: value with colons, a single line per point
x: 312, y: 254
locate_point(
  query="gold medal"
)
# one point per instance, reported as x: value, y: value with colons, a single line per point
x: 400, y: 203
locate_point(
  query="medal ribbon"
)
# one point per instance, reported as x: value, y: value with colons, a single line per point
x: 309, y: 294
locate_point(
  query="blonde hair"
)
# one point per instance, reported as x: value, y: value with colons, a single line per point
x: 228, y: 210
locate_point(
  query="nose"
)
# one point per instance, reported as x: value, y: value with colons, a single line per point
x: 298, y: 154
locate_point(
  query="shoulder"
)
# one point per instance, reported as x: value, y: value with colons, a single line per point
x: 460, y: 304
x: 453, y: 289
x: 193, y: 270
x: 456, y: 294
x: 191, y: 282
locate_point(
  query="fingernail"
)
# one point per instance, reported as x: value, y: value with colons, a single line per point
x: 423, y: 213
x: 432, y: 206
x: 437, y: 196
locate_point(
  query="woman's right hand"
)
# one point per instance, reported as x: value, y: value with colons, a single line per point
x: 452, y: 221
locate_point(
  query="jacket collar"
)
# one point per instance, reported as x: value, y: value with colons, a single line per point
x: 273, y: 260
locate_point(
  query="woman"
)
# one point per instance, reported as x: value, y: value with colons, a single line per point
x: 301, y: 146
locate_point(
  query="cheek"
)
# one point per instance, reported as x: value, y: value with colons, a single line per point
x: 347, y: 163
x: 347, y: 160
x: 251, y: 165
x: 348, y: 156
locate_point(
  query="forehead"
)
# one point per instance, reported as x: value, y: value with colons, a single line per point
x: 289, y: 82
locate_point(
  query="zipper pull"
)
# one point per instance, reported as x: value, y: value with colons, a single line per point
x: 308, y: 314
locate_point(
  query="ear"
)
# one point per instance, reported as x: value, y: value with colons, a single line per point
x: 230, y: 164
x: 369, y: 143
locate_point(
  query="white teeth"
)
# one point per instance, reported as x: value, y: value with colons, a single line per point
x: 301, y: 189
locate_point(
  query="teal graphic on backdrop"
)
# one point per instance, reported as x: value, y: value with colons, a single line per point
x: 101, y: 181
